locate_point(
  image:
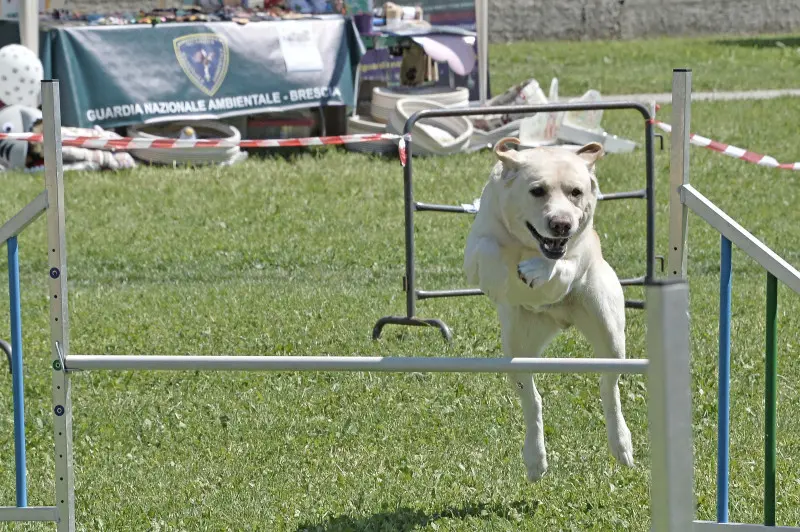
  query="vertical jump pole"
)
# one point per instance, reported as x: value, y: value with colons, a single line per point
x: 724, y: 380
x: 771, y: 400
x: 679, y: 171
x: 669, y: 405
x: 408, y: 193
x: 57, y: 293
x: 18, y: 390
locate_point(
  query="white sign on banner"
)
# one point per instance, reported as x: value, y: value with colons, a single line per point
x: 299, y: 47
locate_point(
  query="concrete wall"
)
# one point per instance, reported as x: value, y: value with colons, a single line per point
x: 511, y: 20
x: 627, y: 19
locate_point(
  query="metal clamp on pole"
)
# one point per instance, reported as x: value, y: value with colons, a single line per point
x: 61, y: 363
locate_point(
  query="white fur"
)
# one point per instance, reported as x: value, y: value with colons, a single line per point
x: 535, y: 296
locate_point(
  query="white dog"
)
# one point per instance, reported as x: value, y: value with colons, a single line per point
x: 533, y: 251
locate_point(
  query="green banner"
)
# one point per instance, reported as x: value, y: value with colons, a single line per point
x: 120, y: 75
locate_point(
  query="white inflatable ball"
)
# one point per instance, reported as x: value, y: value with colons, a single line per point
x: 21, y: 75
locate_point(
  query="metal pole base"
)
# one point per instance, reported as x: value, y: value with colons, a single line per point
x: 414, y: 322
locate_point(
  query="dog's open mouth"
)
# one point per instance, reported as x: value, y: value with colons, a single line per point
x: 552, y: 248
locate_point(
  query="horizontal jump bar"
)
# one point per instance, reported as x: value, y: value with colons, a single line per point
x: 744, y: 240
x: 708, y: 526
x: 430, y: 294
x: 526, y: 109
x: 437, y: 207
x: 633, y: 281
x: 29, y: 513
x: 623, y: 195
x: 462, y: 292
x: 23, y: 218
x: 442, y: 208
x: 345, y: 363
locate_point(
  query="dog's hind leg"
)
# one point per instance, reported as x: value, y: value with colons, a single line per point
x: 527, y: 334
x: 602, y: 321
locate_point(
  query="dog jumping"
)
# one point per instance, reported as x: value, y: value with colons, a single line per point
x: 533, y: 251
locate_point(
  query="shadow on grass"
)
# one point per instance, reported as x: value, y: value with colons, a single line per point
x: 762, y: 42
x: 406, y: 519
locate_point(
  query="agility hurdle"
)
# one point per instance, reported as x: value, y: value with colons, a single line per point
x: 8, y: 236
x: 413, y: 294
x: 667, y: 366
x: 685, y: 198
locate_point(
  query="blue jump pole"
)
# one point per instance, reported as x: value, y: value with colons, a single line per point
x: 723, y: 420
x: 16, y: 368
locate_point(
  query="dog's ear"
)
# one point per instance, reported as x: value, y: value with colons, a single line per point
x: 509, y: 157
x: 595, y: 185
x: 591, y: 153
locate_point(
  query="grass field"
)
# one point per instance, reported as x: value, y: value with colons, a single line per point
x: 628, y: 67
x: 301, y: 256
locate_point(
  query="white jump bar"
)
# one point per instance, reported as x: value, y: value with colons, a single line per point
x: 23, y: 218
x: 354, y: 363
x: 708, y: 526
x: 28, y: 513
x: 737, y: 234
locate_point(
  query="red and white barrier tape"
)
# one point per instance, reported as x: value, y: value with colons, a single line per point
x: 127, y: 143
x: 732, y: 151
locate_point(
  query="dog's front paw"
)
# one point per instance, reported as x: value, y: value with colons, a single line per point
x: 621, y: 446
x: 535, y: 458
x: 534, y: 272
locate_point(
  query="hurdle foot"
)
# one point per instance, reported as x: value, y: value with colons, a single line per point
x: 412, y: 322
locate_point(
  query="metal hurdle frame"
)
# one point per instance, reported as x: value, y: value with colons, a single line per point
x: 411, y: 206
x: 667, y: 368
x: 685, y: 198
x: 8, y: 236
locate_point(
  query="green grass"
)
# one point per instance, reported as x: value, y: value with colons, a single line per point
x: 625, y: 67
x: 301, y: 257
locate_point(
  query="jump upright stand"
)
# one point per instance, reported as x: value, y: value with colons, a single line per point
x: 411, y: 206
x: 51, y: 200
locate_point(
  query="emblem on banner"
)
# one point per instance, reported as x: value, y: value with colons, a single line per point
x: 204, y: 59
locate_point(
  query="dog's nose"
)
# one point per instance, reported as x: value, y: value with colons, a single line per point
x: 560, y: 226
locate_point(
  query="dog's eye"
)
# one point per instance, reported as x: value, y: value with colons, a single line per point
x: 537, y: 192
x: 576, y: 193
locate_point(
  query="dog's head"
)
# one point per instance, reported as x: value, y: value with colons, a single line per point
x: 547, y: 195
